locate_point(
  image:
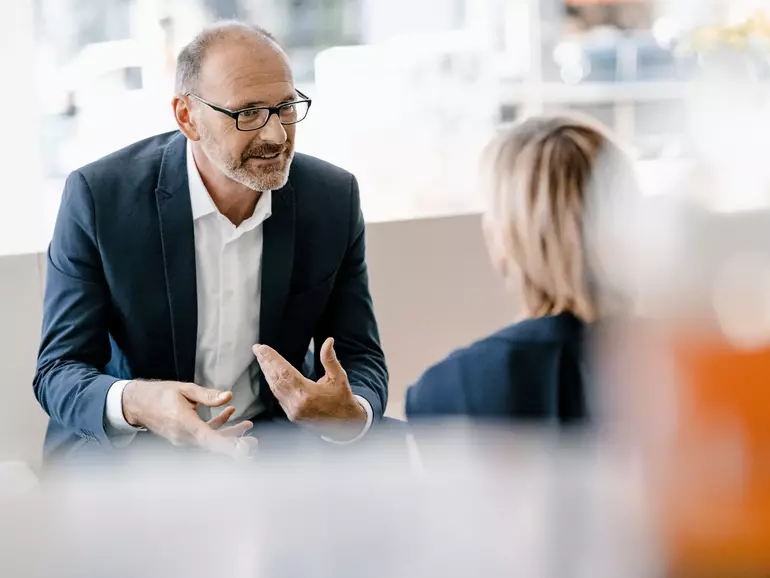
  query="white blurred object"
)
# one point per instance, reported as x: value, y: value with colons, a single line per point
x: 684, y: 255
x: 741, y: 299
x: 111, y: 112
x: 491, y: 503
x: 571, y: 58
x: 666, y: 31
x: 16, y: 479
x: 409, y: 118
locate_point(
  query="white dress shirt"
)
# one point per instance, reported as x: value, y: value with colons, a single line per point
x: 228, y: 270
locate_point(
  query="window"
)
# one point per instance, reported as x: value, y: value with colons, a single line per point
x: 436, y: 83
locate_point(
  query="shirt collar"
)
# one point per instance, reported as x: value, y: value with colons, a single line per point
x: 200, y: 200
x: 202, y: 204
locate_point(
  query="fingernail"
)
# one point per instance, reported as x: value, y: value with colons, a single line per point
x: 223, y: 396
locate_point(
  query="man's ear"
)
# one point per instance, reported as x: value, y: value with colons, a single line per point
x: 184, y: 117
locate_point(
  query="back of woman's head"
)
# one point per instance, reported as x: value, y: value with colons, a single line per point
x: 541, y: 177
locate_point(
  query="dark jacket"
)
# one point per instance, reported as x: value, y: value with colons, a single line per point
x: 532, y: 370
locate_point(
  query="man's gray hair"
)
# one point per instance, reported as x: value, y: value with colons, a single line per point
x: 190, y: 59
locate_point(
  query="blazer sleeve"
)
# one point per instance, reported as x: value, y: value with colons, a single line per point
x: 75, y: 347
x: 349, y: 319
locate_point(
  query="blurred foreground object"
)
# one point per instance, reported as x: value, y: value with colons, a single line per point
x: 16, y: 479
x: 695, y: 404
x: 686, y: 379
x: 491, y: 503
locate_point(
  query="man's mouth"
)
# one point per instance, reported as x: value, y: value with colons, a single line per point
x: 266, y: 157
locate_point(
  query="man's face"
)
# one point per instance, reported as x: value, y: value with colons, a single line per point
x: 237, y: 74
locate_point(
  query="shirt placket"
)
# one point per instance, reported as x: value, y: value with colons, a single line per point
x: 228, y: 264
x: 224, y: 239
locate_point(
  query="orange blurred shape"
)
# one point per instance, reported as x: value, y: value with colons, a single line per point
x: 712, y: 473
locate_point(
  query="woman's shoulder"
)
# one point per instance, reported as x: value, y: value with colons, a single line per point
x: 538, y: 331
x: 526, y: 337
x: 491, y: 361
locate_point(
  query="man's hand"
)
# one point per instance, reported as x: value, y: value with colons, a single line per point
x: 167, y: 408
x: 327, y: 402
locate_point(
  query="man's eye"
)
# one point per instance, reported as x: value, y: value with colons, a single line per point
x: 250, y: 113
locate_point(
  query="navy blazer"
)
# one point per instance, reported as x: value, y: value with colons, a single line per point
x: 121, y: 301
x: 528, y: 371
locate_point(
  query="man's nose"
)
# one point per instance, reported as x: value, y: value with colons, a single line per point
x: 273, y: 132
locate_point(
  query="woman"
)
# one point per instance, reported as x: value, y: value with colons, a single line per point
x: 539, y: 175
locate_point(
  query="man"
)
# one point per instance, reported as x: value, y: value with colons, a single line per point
x: 173, y: 257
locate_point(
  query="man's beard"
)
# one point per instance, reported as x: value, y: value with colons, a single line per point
x: 269, y: 177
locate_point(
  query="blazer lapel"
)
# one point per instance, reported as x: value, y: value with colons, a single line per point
x: 178, y: 246
x: 277, y: 264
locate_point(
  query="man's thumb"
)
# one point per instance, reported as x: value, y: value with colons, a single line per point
x: 329, y: 360
x: 205, y: 395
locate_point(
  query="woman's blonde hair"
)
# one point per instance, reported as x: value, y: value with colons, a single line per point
x: 538, y: 177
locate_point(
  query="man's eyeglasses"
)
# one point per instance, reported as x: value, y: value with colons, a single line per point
x: 256, y: 117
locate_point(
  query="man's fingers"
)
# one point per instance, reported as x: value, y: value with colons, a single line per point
x: 222, y: 418
x: 281, y: 375
x: 330, y: 362
x: 204, y: 395
x: 208, y: 439
x: 233, y: 431
x: 237, y: 430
